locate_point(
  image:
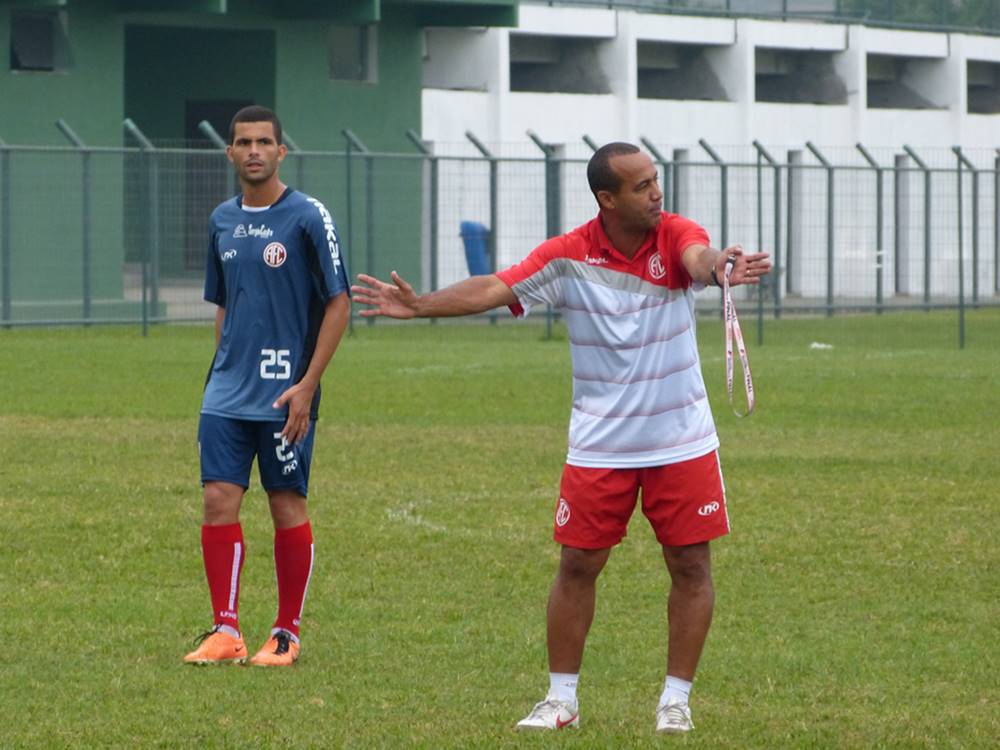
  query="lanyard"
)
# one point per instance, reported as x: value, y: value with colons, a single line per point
x: 733, y: 331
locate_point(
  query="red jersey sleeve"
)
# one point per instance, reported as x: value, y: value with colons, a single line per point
x: 674, y: 235
x: 534, y: 280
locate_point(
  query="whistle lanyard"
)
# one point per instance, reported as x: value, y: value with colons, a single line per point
x: 733, y: 331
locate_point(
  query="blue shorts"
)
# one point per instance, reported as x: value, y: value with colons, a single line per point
x: 227, y: 448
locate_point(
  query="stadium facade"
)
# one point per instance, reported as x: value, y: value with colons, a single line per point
x: 629, y: 69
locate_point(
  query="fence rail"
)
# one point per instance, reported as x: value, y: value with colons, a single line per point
x: 104, y: 235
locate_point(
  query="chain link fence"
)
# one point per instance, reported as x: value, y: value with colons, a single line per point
x: 103, y: 235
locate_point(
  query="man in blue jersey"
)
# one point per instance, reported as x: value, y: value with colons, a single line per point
x: 275, y: 271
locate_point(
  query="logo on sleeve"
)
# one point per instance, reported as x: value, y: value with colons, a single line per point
x: 562, y: 513
x: 656, y: 269
x: 275, y: 254
x: 333, y: 245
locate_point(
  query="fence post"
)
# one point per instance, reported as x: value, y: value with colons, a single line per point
x: 681, y: 186
x: 723, y: 191
x: 975, y: 236
x: 432, y: 210
x: 900, y: 222
x: 664, y: 163
x: 960, y: 162
x: 300, y: 160
x: 219, y: 142
x: 494, y: 202
x: 927, y: 224
x: 760, y: 244
x: 151, y: 253
x: 73, y: 138
x: 964, y: 161
x: 5, y: 286
x: 430, y: 163
x: 879, y: 208
x: 996, y: 223
x: 829, y: 225
x: 553, y: 186
x: 553, y: 204
x: 793, y: 231
x: 350, y: 220
x: 775, y: 281
x: 355, y: 144
x: 723, y: 205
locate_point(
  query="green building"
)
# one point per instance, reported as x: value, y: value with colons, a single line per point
x: 75, y: 225
x: 324, y: 65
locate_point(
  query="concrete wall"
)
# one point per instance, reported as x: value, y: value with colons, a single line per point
x: 936, y: 71
x: 931, y: 70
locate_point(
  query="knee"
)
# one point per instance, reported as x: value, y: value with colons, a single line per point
x: 581, y: 566
x: 692, y: 572
x: 222, y: 504
x: 288, y: 510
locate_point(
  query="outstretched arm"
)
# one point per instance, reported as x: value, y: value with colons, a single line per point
x: 398, y: 300
x: 700, y: 261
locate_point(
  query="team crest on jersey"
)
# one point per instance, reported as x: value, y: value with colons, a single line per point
x: 275, y: 254
x: 562, y: 513
x: 656, y: 268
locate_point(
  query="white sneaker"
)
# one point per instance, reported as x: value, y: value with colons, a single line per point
x: 551, y: 714
x: 674, y: 717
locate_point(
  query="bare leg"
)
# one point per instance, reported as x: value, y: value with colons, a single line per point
x: 222, y: 503
x: 288, y: 508
x: 571, y: 606
x: 689, y: 608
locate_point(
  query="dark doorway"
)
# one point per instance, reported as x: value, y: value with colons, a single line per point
x: 217, y: 112
x: 175, y: 77
x: 209, y: 178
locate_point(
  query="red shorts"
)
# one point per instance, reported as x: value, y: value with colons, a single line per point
x: 684, y: 502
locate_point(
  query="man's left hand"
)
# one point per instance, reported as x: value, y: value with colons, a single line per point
x: 747, y: 268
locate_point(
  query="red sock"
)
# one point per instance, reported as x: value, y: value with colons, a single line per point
x: 224, y: 552
x: 293, y: 560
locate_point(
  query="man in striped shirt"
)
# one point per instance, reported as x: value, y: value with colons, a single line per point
x: 641, y: 422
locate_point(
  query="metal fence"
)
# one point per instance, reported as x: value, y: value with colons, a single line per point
x: 106, y: 235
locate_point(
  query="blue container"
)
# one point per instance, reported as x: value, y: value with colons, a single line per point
x: 475, y: 236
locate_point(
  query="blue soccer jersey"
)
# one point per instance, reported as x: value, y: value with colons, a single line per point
x: 273, y: 271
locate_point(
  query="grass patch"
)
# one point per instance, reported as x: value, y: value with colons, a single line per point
x: 857, y: 596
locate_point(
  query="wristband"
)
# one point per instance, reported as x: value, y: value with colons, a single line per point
x: 715, y: 279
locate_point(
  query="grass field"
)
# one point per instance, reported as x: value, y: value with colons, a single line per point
x: 858, y: 596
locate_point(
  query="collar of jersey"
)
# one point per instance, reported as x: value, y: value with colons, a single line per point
x: 599, y: 238
x: 288, y: 191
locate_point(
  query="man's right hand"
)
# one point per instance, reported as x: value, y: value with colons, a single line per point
x: 396, y: 300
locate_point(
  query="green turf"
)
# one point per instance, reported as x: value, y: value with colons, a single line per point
x: 858, y: 596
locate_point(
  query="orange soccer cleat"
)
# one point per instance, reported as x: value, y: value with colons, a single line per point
x: 217, y: 647
x: 279, y: 651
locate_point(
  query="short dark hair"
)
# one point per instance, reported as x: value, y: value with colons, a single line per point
x: 600, y: 175
x: 255, y: 113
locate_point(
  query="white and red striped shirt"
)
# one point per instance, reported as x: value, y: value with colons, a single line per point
x: 638, y: 395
